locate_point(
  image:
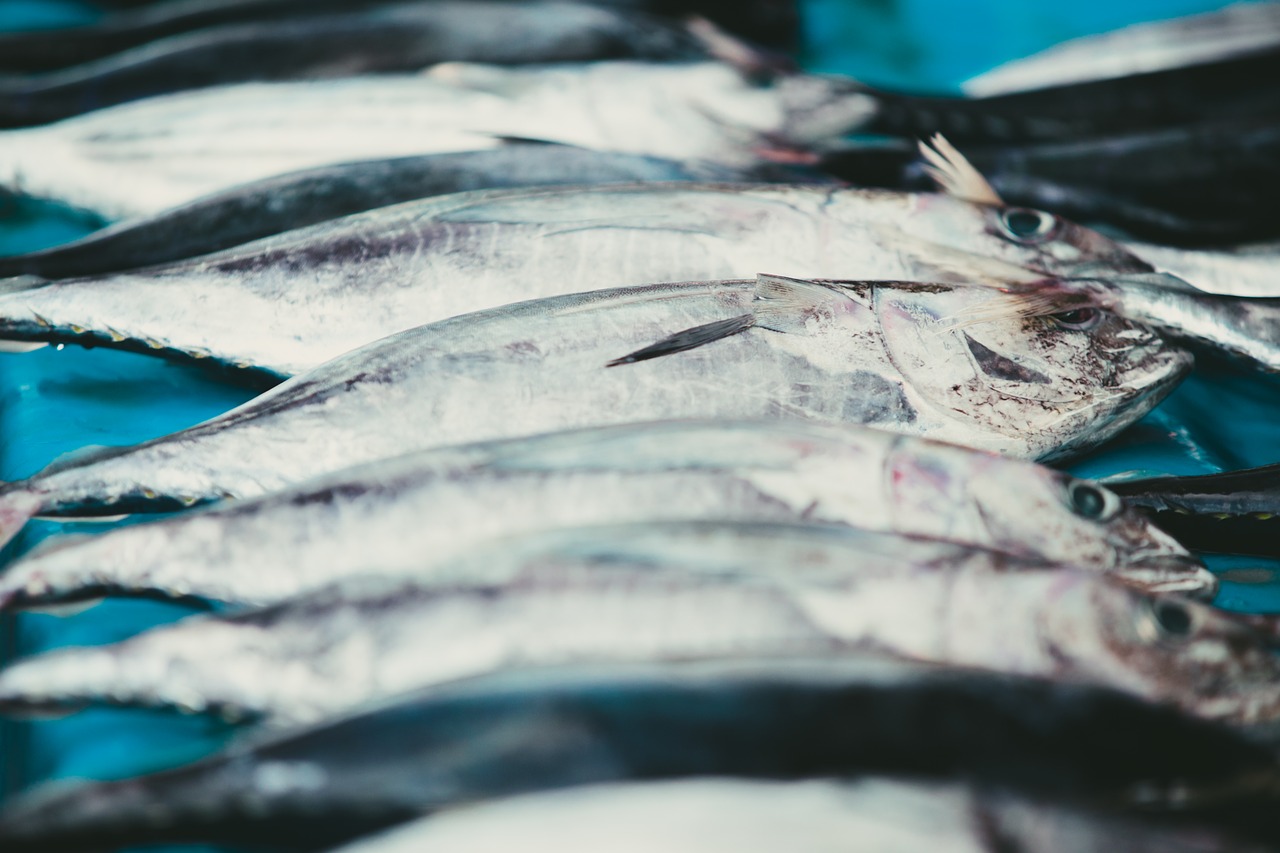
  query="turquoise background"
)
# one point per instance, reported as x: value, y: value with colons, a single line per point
x: 57, y: 400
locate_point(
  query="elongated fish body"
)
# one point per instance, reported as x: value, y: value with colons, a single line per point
x: 772, y: 22
x: 174, y: 148
x: 274, y: 205
x: 283, y: 305
x: 543, y: 729
x: 1236, y: 512
x: 1245, y: 271
x: 755, y: 816
x: 582, y: 600
x: 1238, y: 30
x: 394, y: 38
x: 884, y: 355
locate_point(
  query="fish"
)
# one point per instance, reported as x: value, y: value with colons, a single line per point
x: 1232, y: 512
x: 770, y: 22
x: 1237, y: 30
x: 1249, y: 270
x: 400, y: 37
x: 283, y: 305
x: 777, y: 718
x: 140, y: 158
x: 888, y: 355
x: 815, y: 815
x: 298, y: 199
x: 575, y: 596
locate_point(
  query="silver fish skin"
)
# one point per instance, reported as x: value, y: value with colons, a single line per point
x: 323, y: 652
x: 140, y: 158
x: 1252, y: 270
x: 371, y: 517
x: 885, y: 355
x: 285, y: 304
x: 816, y: 815
x: 1239, y: 29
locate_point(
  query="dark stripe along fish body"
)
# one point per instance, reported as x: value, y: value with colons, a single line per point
x: 771, y: 22
x: 887, y: 355
x: 671, y: 591
x: 1235, y: 512
x: 775, y: 719
x: 392, y: 38
x: 285, y: 304
x: 275, y: 205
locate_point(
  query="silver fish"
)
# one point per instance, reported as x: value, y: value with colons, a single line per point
x: 1240, y: 29
x: 888, y: 355
x: 142, y: 157
x: 726, y: 815
x: 578, y: 598
x: 371, y: 517
x: 1252, y: 270
x: 286, y: 304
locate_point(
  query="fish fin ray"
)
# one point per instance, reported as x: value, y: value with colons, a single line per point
x: 783, y: 304
x: 954, y: 174
x: 688, y: 339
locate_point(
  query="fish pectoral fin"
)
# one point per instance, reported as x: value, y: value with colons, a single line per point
x: 688, y: 339
x: 786, y: 304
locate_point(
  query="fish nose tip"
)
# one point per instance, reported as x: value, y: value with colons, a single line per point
x: 1174, y: 573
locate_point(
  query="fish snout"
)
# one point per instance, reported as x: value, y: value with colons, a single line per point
x: 1166, y: 572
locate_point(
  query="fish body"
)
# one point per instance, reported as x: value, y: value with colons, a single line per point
x: 544, y: 729
x: 1243, y: 271
x: 383, y: 39
x: 285, y: 304
x: 143, y: 157
x: 755, y: 816
x: 575, y: 596
x: 274, y: 205
x: 882, y: 355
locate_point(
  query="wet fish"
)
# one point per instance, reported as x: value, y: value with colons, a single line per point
x: 817, y: 816
x: 1237, y: 30
x: 578, y: 597
x: 1252, y: 270
x: 545, y: 729
x: 286, y: 304
x: 386, y: 38
x: 772, y: 22
x: 889, y: 355
x: 274, y: 205
x: 140, y: 158
x: 1233, y: 512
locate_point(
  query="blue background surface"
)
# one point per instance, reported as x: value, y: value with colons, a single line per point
x: 58, y: 400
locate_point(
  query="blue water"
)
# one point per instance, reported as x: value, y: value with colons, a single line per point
x: 54, y: 401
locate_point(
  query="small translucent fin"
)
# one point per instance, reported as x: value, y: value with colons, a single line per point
x: 785, y: 304
x: 955, y: 175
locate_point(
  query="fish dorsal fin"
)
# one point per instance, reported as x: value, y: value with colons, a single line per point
x: 785, y: 304
x: 954, y: 174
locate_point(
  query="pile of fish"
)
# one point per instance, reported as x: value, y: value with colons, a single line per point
x: 641, y: 461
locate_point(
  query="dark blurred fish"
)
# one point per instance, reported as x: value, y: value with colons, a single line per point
x: 1235, y: 512
x: 386, y: 38
x: 773, y: 22
x: 810, y: 590
x: 781, y: 718
x: 966, y: 363
x: 271, y: 206
x: 723, y: 815
x: 1237, y: 30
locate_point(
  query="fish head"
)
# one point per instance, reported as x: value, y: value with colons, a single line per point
x: 1208, y: 661
x: 996, y: 236
x: 1022, y: 371
x: 1034, y: 512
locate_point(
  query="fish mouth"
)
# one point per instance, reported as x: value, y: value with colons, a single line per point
x: 1170, y: 573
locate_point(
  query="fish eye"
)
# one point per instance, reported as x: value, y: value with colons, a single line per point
x: 1024, y: 225
x: 1173, y: 618
x: 1078, y: 319
x: 1093, y: 502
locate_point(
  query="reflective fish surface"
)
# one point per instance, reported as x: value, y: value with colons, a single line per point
x: 140, y: 158
x: 888, y: 355
x: 573, y: 597
x: 274, y: 205
x: 385, y: 38
x: 286, y: 304
x: 539, y: 729
x: 817, y: 816
x: 1252, y: 270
